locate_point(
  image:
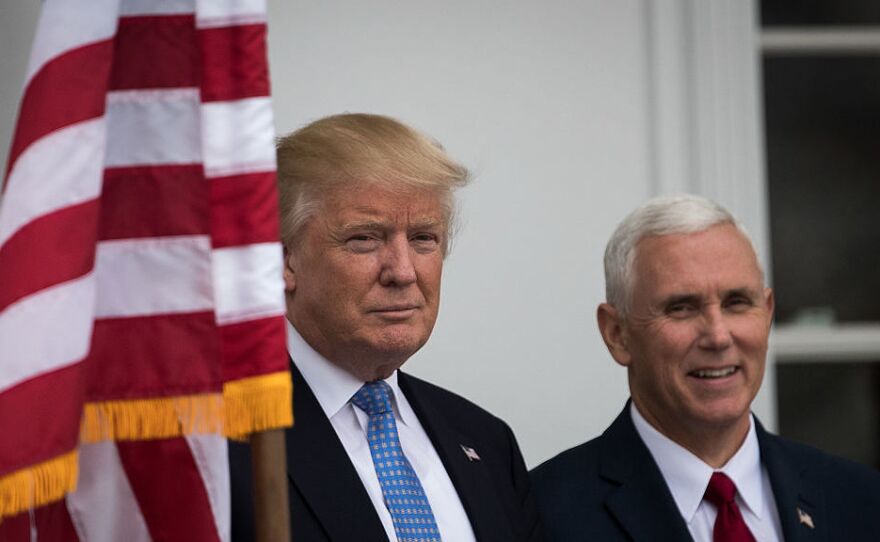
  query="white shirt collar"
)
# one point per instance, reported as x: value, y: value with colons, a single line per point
x: 332, y: 385
x: 687, y: 476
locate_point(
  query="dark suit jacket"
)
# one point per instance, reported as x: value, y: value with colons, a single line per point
x: 328, y: 501
x: 611, y: 489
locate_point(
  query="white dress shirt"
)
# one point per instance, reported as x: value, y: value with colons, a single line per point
x: 333, y: 388
x: 687, y: 477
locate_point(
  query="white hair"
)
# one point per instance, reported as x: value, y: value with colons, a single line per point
x: 663, y: 215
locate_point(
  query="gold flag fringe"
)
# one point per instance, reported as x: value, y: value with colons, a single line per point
x: 159, y: 417
x: 38, y: 484
x: 248, y: 405
x: 258, y: 403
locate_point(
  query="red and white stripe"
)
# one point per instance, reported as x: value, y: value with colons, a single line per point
x: 138, y: 225
x: 48, y: 221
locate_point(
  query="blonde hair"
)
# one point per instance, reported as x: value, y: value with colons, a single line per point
x: 358, y: 148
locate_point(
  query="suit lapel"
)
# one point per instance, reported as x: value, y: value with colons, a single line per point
x: 641, y: 503
x: 470, y: 478
x: 321, y: 471
x: 798, y: 501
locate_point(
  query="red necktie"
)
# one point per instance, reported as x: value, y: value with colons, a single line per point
x: 729, y: 524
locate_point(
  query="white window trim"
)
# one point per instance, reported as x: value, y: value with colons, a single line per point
x: 706, y: 137
x: 706, y: 133
x: 825, y: 40
x: 845, y: 342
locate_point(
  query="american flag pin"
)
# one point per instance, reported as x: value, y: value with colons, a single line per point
x: 805, y: 519
x: 470, y: 453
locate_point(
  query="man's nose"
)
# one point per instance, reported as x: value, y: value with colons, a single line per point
x: 397, y: 263
x: 715, y: 332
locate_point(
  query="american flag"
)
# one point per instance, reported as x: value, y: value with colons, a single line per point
x: 141, y: 298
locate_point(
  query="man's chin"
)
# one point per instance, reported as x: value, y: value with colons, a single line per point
x: 378, y: 359
x: 373, y: 369
x: 723, y: 417
x: 399, y: 341
x: 396, y: 352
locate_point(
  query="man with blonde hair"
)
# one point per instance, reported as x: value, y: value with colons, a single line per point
x: 688, y: 315
x: 376, y: 454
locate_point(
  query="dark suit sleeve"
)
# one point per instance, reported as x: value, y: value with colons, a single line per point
x: 242, y: 491
x: 523, y: 485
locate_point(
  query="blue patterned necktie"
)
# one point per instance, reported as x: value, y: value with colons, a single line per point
x: 403, y: 494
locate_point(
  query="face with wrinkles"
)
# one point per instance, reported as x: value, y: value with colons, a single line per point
x: 363, y: 282
x: 694, y: 339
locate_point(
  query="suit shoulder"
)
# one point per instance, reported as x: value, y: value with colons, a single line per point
x: 572, y: 472
x: 574, y: 457
x: 814, y: 458
x: 451, y: 418
x: 571, y: 495
x: 452, y: 404
x: 835, y: 473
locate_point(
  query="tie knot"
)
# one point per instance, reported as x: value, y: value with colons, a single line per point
x: 373, y: 398
x: 721, y: 489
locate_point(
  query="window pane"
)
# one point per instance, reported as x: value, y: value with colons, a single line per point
x: 823, y: 169
x: 820, y: 12
x: 832, y: 406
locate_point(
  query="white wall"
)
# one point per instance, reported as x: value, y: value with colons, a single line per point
x: 546, y: 103
x: 562, y: 111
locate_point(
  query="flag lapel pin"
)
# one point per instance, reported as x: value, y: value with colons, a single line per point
x: 470, y: 453
x: 805, y: 519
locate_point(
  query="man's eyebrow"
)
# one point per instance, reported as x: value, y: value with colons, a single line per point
x: 363, y: 225
x: 744, y: 291
x: 426, y: 222
x: 674, y: 299
x: 371, y: 224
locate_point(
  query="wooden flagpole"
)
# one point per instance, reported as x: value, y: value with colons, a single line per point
x: 269, y: 463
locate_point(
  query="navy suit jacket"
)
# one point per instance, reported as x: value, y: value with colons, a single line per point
x: 329, y: 503
x: 611, y: 489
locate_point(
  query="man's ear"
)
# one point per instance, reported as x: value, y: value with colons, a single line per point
x: 611, y: 326
x: 289, y: 274
x: 770, y: 304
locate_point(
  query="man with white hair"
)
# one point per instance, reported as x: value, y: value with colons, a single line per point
x: 688, y: 314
